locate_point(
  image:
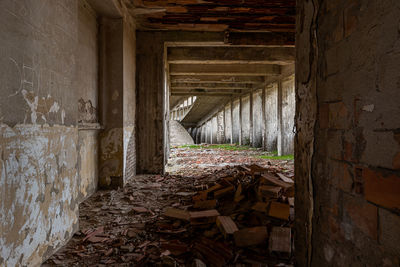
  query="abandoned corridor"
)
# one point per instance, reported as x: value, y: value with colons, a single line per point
x: 89, y: 87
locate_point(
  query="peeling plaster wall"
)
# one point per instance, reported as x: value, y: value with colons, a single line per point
x: 47, y: 61
x: 87, y: 64
x: 347, y: 142
x: 39, y: 192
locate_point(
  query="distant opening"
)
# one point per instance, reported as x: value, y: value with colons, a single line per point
x: 231, y: 134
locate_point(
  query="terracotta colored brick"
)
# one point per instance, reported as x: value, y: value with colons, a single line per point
x: 346, y: 180
x: 396, y: 162
x: 380, y: 189
x: 338, y: 116
x: 363, y: 215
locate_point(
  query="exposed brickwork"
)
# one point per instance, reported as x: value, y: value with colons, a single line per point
x: 355, y: 179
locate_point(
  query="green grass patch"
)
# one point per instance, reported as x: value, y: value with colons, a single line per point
x: 275, y: 157
x: 233, y: 147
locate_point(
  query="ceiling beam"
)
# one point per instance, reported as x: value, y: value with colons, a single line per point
x: 221, y: 91
x: 231, y: 55
x: 203, y: 94
x: 225, y: 69
x: 260, y: 38
x: 216, y: 79
x: 211, y: 85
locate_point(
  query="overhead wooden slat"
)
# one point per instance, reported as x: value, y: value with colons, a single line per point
x: 258, y: 15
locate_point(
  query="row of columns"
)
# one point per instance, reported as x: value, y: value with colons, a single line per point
x: 207, y: 127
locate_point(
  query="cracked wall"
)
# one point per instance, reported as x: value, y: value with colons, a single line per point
x: 347, y: 144
x: 47, y: 166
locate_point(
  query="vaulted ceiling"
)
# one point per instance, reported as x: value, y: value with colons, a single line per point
x: 214, y: 15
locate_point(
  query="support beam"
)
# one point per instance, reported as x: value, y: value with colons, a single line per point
x: 204, y: 94
x: 225, y: 69
x: 210, y: 85
x: 280, y: 121
x: 216, y: 79
x: 264, y: 122
x: 251, y: 120
x: 210, y: 90
x: 240, y: 121
x: 212, y: 113
x: 260, y: 38
x: 224, y: 122
x: 231, y: 55
x: 232, y: 120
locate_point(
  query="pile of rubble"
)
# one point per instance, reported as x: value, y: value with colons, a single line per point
x: 238, y: 216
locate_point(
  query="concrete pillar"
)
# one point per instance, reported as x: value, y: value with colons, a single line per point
x: 117, y: 100
x: 211, y: 130
x: 232, y: 120
x: 263, y: 127
x: 224, y: 126
x: 240, y: 121
x: 251, y: 120
x: 280, y: 122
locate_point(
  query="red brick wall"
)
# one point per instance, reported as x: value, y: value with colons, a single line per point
x: 355, y: 177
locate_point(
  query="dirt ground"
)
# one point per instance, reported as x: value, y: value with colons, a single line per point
x: 128, y: 227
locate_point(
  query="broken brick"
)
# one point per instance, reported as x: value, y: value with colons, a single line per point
x: 251, y: 236
x: 279, y: 210
x: 177, y: 214
x: 226, y: 225
x: 280, y: 240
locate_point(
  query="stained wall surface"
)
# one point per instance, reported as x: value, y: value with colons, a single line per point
x: 347, y: 176
x: 45, y: 47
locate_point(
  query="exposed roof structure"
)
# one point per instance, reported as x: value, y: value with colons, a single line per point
x: 215, y: 15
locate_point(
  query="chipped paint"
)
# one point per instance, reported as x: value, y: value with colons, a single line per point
x: 40, y: 106
x: 111, y: 155
x: 369, y: 108
x: 39, y: 189
x: 87, y: 163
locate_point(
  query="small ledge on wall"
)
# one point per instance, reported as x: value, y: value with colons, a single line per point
x: 89, y: 126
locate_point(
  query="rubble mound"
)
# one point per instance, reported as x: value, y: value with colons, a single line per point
x: 235, y: 216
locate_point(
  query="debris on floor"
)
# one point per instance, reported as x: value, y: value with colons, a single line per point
x: 239, y: 216
x: 231, y: 216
